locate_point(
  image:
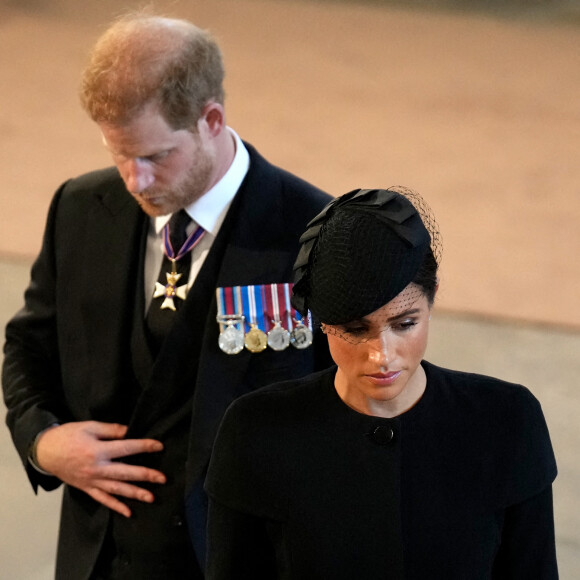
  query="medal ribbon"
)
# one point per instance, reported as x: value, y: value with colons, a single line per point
x: 293, y: 314
x: 285, y: 290
x: 229, y: 303
x: 260, y: 304
x: 257, y: 306
x: 253, y: 304
x: 188, y: 245
x: 275, y: 303
x: 271, y: 314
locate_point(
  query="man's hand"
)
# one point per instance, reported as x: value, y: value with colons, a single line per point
x: 81, y: 454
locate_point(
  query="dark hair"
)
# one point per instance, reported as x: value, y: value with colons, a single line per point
x: 426, y: 277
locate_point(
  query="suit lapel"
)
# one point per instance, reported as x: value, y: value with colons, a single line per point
x: 247, y: 259
x: 172, y: 377
x: 113, y: 228
x: 189, y: 363
x: 141, y: 354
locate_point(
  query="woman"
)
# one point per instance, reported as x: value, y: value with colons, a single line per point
x: 384, y: 466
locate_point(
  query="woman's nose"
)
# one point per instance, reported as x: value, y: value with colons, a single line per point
x: 379, y: 349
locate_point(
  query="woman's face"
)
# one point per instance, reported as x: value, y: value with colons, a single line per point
x: 378, y: 357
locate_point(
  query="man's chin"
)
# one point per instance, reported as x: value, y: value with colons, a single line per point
x: 155, y: 208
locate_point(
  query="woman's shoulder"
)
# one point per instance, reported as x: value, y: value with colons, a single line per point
x: 478, y: 387
x: 284, y: 396
x: 503, y: 420
x: 260, y: 429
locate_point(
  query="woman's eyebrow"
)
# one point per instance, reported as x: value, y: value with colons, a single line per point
x: 409, y: 312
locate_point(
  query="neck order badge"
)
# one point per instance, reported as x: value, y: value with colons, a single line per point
x: 173, y: 234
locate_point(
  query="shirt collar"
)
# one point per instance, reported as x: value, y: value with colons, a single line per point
x: 210, y: 209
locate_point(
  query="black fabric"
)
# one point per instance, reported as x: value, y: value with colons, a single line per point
x: 301, y: 488
x: 77, y: 350
x: 177, y: 229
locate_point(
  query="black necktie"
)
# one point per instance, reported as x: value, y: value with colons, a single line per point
x: 159, y: 320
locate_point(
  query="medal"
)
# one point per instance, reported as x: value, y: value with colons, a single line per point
x: 256, y: 339
x: 301, y: 336
x: 278, y: 337
x: 231, y: 339
x: 259, y: 316
x: 170, y: 290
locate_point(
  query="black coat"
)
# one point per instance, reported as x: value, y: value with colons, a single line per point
x: 456, y: 488
x: 77, y: 351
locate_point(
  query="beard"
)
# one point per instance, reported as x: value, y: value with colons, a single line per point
x: 158, y: 201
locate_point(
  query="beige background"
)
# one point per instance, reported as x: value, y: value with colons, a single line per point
x: 479, y: 112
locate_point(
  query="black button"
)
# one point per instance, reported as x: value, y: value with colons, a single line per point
x: 382, y: 435
x: 177, y: 521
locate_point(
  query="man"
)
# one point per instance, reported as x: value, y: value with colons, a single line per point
x: 114, y: 377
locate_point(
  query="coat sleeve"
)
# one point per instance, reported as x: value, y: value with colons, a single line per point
x: 238, y: 545
x: 528, y: 547
x: 31, y: 377
x: 525, y: 471
x: 248, y: 503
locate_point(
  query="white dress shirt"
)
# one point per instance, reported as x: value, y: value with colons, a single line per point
x: 208, y: 211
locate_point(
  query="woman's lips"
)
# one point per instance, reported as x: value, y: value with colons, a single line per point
x: 384, y: 378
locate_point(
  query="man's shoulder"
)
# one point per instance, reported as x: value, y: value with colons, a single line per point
x: 285, y: 181
x: 99, y: 188
x: 96, y: 180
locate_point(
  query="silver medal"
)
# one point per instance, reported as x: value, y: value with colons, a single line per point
x: 278, y: 337
x: 301, y: 336
x: 231, y: 338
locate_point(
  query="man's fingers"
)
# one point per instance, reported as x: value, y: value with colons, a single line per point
x: 106, y: 430
x: 127, y: 490
x: 108, y: 489
x: 126, y: 447
x: 111, y: 502
x: 124, y: 472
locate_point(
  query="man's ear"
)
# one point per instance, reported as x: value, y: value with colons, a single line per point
x: 213, y: 115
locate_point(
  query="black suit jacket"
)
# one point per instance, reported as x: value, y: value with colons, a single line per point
x: 78, y: 351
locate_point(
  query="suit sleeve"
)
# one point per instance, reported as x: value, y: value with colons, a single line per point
x: 31, y: 374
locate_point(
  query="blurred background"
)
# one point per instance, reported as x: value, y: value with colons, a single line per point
x: 473, y: 103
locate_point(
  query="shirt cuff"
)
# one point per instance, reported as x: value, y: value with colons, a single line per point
x: 32, y: 454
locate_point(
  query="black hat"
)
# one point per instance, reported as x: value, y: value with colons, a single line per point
x: 359, y: 253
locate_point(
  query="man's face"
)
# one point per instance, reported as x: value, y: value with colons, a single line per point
x: 164, y: 170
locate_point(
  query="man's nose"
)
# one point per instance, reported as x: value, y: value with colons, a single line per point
x: 138, y: 175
